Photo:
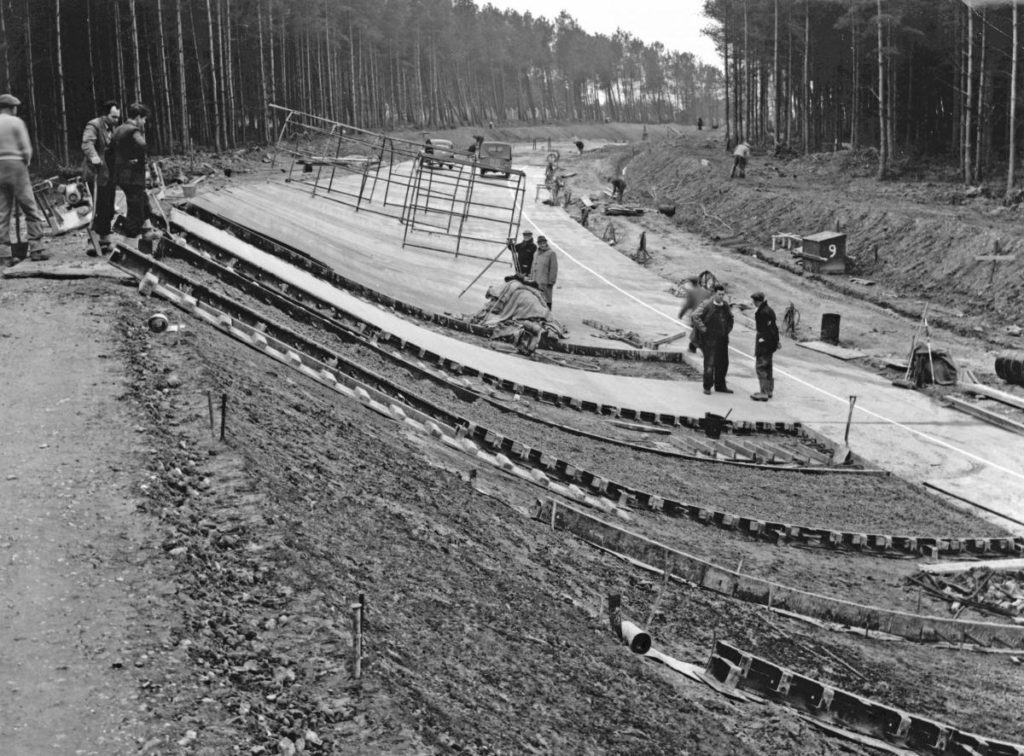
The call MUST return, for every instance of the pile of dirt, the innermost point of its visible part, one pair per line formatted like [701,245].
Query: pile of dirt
[919,237]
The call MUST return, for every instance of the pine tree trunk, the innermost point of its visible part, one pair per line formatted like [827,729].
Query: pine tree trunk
[135,51]
[273,67]
[1011,162]
[186,138]
[217,122]
[265,130]
[776,72]
[164,72]
[979,137]
[233,121]
[806,88]
[221,89]
[968,169]
[33,110]
[206,131]
[7,62]
[88,43]
[122,89]
[883,142]
[61,102]
[855,68]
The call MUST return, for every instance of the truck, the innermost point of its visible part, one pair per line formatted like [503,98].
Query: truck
[495,157]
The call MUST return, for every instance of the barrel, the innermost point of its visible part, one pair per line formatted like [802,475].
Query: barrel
[830,328]
[1010,367]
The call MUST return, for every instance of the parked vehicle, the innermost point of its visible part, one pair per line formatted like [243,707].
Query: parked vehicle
[495,157]
[440,151]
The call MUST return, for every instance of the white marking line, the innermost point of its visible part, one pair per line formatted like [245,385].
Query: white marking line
[841,399]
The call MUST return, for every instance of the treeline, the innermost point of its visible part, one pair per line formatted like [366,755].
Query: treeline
[910,77]
[208,68]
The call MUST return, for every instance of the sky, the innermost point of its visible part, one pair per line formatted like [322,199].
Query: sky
[675,23]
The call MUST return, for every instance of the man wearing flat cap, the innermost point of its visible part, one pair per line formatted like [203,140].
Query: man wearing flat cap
[15,184]
[766,343]
[524,252]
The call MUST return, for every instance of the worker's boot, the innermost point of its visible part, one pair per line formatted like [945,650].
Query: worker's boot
[37,255]
[106,244]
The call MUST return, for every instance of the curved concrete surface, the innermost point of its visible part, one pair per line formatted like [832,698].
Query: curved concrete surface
[902,431]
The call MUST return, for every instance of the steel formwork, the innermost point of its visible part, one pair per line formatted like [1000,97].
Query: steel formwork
[441,209]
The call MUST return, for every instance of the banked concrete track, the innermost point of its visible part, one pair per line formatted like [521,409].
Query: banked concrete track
[904,432]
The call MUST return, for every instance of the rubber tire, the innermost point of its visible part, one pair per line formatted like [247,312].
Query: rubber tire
[1017,371]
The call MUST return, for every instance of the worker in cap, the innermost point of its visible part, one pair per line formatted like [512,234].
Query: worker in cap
[524,252]
[713,321]
[15,184]
[545,269]
[766,343]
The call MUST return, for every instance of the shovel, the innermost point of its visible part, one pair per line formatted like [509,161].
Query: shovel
[842,453]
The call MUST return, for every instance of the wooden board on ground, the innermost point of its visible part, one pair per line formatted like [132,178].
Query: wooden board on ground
[841,353]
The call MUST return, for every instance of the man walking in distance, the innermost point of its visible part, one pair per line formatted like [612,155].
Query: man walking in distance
[545,269]
[713,320]
[97,170]
[694,295]
[15,184]
[740,156]
[766,343]
[129,145]
[524,252]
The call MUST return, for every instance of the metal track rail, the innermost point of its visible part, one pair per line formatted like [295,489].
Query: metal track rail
[755,590]
[230,314]
[741,670]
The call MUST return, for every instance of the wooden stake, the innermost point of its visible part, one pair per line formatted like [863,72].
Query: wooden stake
[357,640]
[223,414]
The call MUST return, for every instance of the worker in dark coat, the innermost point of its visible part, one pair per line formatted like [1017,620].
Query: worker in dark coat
[694,295]
[524,252]
[713,320]
[129,145]
[97,169]
[766,343]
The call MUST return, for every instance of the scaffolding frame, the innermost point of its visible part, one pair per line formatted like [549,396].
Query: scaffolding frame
[440,209]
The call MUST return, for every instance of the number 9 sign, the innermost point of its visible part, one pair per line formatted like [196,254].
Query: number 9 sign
[832,250]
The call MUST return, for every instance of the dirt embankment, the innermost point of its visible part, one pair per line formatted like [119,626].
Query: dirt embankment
[917,239]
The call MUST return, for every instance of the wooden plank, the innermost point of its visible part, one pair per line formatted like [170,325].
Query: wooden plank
[831,350]
[739,448]
[983,414]
[996,565]
[991,393]
[786,455]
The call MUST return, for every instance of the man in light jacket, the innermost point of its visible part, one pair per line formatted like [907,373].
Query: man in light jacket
[15,184]
[545,269]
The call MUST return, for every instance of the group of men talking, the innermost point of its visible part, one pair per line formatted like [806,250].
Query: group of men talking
[712,320]
[115,157]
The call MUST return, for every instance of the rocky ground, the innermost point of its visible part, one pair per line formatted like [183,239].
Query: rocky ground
[215,577]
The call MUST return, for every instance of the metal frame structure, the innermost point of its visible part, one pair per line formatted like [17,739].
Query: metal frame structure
[440,209]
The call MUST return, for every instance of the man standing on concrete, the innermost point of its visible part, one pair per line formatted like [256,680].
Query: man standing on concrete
[766,343]
[740,156]
[97,170]
[545,269]
[694,295]
[713,320]
[15,184]
[129,145]
[524,252]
